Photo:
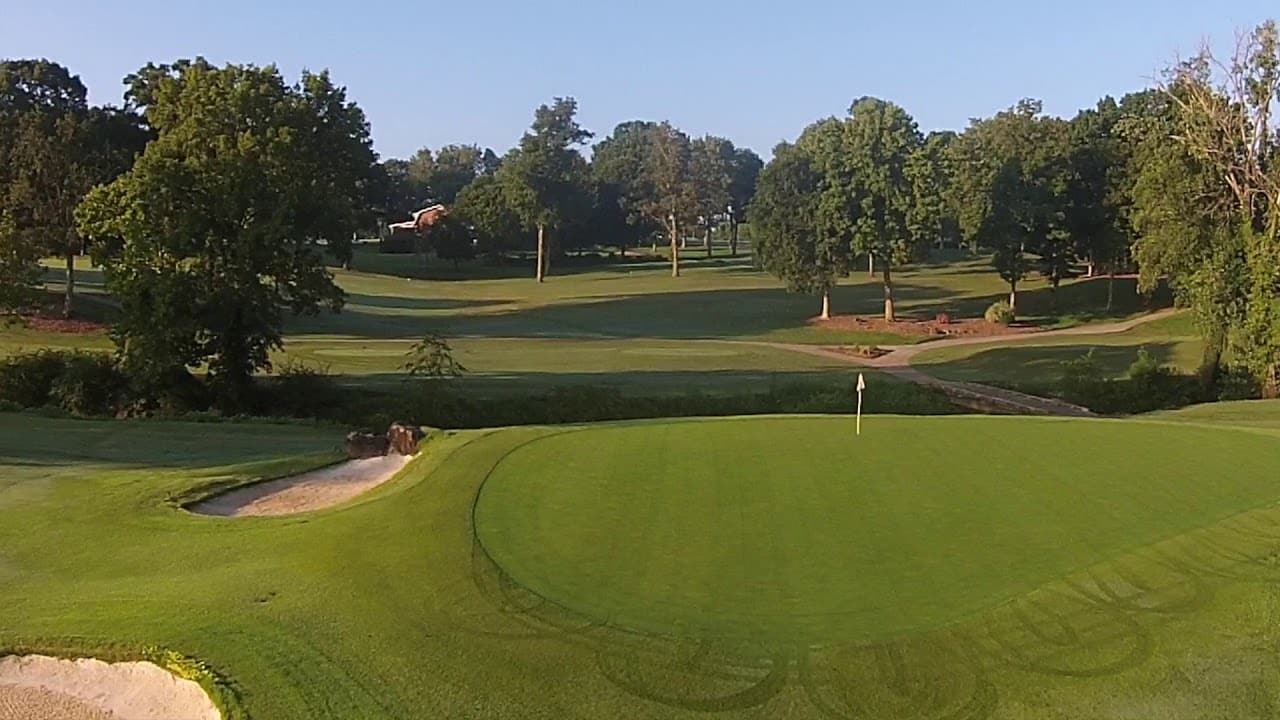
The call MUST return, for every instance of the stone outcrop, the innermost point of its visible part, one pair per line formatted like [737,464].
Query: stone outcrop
[404,439]
[400,439]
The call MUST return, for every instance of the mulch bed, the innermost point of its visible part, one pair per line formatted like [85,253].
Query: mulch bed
[51,321]
[969,327]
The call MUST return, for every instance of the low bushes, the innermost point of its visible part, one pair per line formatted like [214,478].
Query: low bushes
[1146,386]
[92,384]
[1000,313]
[80,383]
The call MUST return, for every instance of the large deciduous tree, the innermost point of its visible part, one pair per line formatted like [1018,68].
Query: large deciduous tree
[545,177]
[669,201]
[1011,179]
[216,230]
[711,176]
[618,170]
[879,140]
[790,242]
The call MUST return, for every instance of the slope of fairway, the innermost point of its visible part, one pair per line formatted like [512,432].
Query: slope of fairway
[793,530]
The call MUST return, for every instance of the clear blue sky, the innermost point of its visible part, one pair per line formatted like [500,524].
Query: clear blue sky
[430,73]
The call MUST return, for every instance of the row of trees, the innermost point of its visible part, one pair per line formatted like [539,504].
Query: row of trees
[54,147]
[1040,193]
[1182,180]
[211,198]
[644,180]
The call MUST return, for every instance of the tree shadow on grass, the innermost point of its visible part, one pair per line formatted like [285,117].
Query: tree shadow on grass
[399,302]
[1043,364]
[701,314]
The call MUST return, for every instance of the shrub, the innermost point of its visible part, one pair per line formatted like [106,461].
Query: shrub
[1000,313]
[27,379]
[90,384]
[298,390]
[432,357]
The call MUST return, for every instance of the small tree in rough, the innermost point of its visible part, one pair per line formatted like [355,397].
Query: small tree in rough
[432,357]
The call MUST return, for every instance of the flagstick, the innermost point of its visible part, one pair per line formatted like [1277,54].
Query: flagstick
[862,385]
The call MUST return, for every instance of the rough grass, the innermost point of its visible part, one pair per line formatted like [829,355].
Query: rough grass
[994,581]
[1037,362]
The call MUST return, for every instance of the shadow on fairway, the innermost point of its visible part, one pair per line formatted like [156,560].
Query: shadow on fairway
[400,302]
[704,314]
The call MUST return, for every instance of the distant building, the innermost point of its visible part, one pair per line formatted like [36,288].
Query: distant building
[404,235]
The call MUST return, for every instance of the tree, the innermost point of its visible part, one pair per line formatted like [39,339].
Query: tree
[785,217]
[545,178]
[710,173]
[878,141]
[744,173]
[930,175]
[418,171]
[1096,194]
[1011,183]
[450,238]
[485,208]
[55,149]
[213,233]
[669,200]
[431,358]
[618,170]
[1224,120]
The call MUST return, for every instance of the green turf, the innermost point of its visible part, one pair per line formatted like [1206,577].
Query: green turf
[1055,601]
[1038,362]
[794,531]
[617,324]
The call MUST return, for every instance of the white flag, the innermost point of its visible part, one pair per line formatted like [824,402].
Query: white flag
[862,383]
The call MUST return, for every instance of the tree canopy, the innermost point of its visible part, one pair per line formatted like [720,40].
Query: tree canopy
[220,225]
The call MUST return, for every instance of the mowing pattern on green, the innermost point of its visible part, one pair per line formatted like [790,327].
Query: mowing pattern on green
[390,608]
[793,530]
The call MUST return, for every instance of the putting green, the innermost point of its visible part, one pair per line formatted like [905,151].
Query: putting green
[793,530]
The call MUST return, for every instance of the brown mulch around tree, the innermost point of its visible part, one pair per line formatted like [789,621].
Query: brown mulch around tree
[969,327]
[51,321]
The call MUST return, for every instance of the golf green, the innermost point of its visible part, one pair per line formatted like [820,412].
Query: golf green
[794,530]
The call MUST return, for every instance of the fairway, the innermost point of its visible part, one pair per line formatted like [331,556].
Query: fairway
[793,531]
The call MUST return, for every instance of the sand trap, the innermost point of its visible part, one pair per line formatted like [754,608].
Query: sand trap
[313,490]
[36,687]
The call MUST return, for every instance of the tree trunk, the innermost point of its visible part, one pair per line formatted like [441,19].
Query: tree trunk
[1111,287]
[871,265]
[542,251]
[1013,297]
[733,237]
[68,300]
[888,295]
[675,248]
[706,240]
[826,305]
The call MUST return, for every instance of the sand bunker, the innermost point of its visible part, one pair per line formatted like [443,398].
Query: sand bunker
[314,490]
[36,687]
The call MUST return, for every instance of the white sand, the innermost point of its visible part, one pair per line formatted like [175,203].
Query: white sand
[36,687]
[314,490]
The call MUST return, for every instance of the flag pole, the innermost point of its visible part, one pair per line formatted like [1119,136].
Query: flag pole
[862,385]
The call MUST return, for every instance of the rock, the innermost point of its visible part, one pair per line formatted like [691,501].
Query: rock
[403,439]
[360,445]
